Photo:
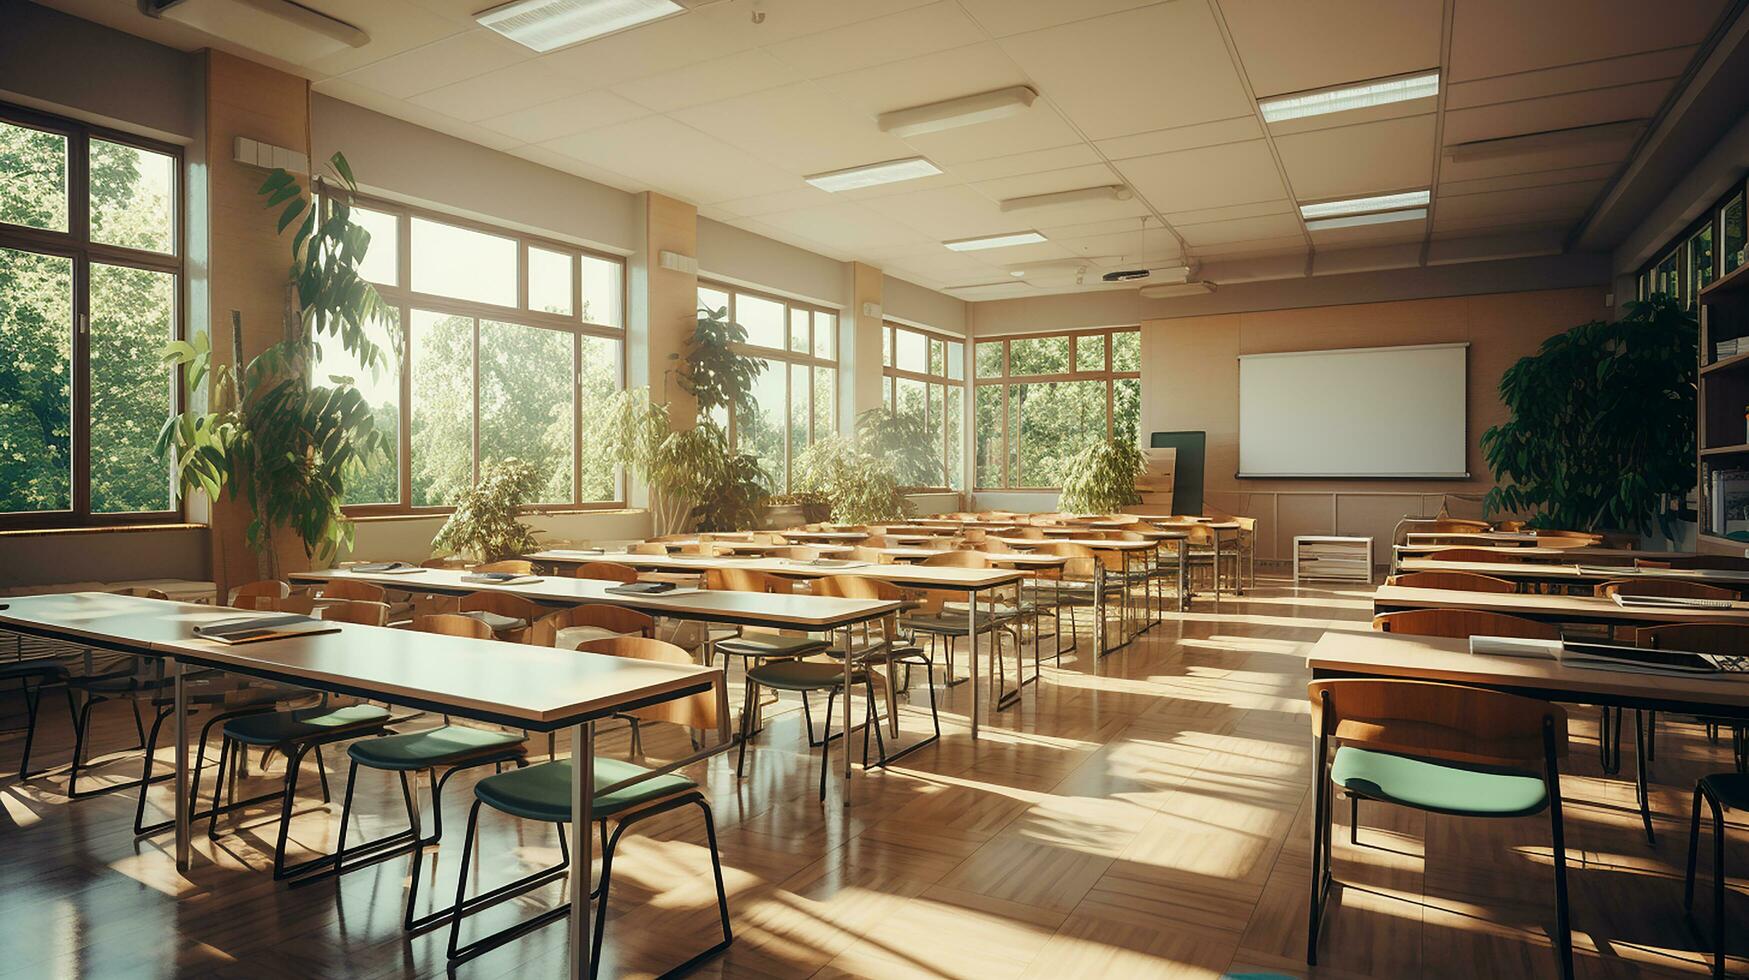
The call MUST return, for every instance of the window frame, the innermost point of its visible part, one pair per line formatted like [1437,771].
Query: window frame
[1677,247]
[76,245]
[405,300]
[891,374]
[1004,380]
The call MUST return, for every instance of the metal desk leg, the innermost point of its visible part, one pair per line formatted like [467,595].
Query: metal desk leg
[892,676]
[972,653]
[1183,574]
[181,809]
[1098,614]
[849,670]
[582,846]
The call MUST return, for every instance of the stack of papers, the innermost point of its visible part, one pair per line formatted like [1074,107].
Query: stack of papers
[1669,602]
[253,629]
[499,578]
[383,568]
[1597,656]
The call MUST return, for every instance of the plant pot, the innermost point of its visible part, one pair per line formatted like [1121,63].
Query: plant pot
[795,514]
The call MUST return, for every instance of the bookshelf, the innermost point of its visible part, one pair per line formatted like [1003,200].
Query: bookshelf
[1722,401]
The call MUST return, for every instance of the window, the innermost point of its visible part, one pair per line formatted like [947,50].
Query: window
[1038,400]
[1713,246]
[508,347]
[795,397]
[927,381]
[90,289]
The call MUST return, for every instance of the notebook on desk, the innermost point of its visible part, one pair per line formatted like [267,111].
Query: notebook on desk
[499,578]
[647,590]
[383,568]
[253,629]
[1668,602]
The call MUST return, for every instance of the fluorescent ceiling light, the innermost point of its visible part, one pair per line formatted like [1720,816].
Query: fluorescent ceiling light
[1362,96]
[1110,192]
[995,241]
[1357,220]
[954,113]
[544,25]
[1360,205]
[850,178]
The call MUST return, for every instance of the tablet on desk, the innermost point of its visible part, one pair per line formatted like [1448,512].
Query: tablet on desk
[253,629]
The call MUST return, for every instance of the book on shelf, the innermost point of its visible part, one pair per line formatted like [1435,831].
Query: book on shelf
[1727,500]
[1728,348]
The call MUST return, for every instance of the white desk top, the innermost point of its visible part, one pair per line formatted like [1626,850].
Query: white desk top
[1094,544]
[1570,608]
[800,535]
[1599,556]
[1571,572]
[538,687]
[898,574]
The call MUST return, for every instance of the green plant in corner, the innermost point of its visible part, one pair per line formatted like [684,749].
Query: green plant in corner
[484,525]
[268,434]
[1101,479]
[1602,423]
[860,486]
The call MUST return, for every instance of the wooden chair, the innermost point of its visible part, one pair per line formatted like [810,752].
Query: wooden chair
[1438,748]
[1452,525]
[300,605]
[1461,623]
[247,596]
[756,645]
[1481,555]
[795,553]
[872,555]
[606,571]
[1667,588]
[1454,581]
[543,792]
[567,628]
[453,624]
[1030,532]
[508,615]
[345,588]
[891,648]
[707,549]
[361,611]
[515,566]
[647,548]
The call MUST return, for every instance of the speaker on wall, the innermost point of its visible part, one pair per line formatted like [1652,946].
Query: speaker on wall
[1187,471]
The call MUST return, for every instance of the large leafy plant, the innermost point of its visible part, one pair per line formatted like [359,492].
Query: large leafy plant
[691,474]
[906,439]
[484,525]
[1602,423]
[268,433]
[859,485]
[714,373]
[1101,479]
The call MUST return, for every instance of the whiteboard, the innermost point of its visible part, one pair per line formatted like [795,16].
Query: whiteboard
[1363,412]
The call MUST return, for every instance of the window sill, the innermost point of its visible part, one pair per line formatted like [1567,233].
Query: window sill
[25,532]
[444,514]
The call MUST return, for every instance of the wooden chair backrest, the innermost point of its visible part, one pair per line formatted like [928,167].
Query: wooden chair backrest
[362,611]
[995,546]
[1508,525]
[1461,623]
[1475,554]
[447,561]
[501,604]
[514,566]
[450,624]
[976,535]
[707,549]
[1455,581]
[1673,588]
[342,588]
[1725,563]
[606,571]
[795,552]
[1725,639]
[697,711]
[246,596]
[144,593]
[674,537]
[878,541]
[869,554]
[647,548]
[1450,722]
[767,537]
[1453,525]
[1031,532]
[544,632]
[857,587]
[1081,563]
[301,605]
[741,580]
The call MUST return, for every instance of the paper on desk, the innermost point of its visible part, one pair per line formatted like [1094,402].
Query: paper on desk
[1513,646]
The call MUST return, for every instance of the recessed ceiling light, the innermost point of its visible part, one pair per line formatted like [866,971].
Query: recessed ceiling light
[1109,192]
[1363,96]
[850,178]
[1357,220]
[995,241]
[954,113]
[544,25]
[1361,205]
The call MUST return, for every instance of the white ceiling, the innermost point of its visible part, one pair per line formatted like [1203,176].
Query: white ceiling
[730,114]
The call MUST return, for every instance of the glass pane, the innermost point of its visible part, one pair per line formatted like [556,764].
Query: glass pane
[911,397]
[987,435]
[937,357]
[989,356]
[1038,355]
[549,281]
[759,423]
[1126,408]
[382,259]
[36,396]
[933,418]
[956,360]
[826,335]
[602,299]
[33,178]
[525,402]
[1090,353]
[1664,277]
[955,424]
[1126,351]
[380,483]
[133,312]
[1735,234]
[825,402]
[708,299]
[1700,261]
[598,377]
[911,352]
[442,426]
[133,195]
[763,320]
[800,386]
[798,331]
[1048,424]
[463,263]
[886,347]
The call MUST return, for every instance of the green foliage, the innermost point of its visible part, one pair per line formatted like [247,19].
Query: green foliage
[484,525]
[714,373]
[906,440]
[691,474]
[1101,479]
[1602,422]
[288,445]
[860,485]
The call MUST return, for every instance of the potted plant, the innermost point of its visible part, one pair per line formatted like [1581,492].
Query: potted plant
[1101,479]
[1601,426]
[483,525]
[268,434]
[907,440]
[860,486]
[795,509]
[691,474]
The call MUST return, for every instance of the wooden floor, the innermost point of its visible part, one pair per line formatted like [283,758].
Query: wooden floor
[1150,821]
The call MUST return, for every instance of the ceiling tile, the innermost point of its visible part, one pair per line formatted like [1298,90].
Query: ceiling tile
[1235,130]
[1500,37]
[393,25]
[844,225]
[1556,197]
[506,90]
[1252,210]
[1036,161]
[1285,245]
[1288,47]
[563,117]
[801,197]
[1610,151]
[1541,178]
[797,127]
[708,81]
[1214,176]
[440,63]
[1153,68]
[1040,127]
[1122,248]
[1372,158]
[927,78]
[664,153]
[895,37]
[1269,226]
[1004,17]
[1047,182]
[1639,101]
[1625,70]
[1396,231]
[948,212]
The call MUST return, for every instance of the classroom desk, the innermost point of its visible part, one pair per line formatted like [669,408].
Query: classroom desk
[735,545]
[1553,608]
[1590,556]
[1521,539]
[1127,550]
[825,537]
[1576,574]
[485,680]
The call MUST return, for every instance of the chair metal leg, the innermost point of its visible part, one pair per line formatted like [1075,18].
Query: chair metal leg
[1354,820]
[1718,888]
[1640,790]
[1557,828]
[746,722]
[826,742]
[1693,853]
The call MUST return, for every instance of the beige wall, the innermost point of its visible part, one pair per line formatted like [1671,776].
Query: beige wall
[1190,380]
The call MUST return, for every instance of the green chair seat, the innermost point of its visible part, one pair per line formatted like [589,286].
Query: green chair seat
[801,675]
[1435,786]
[771,645]
[543,792]
[432,747]
[279,727]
